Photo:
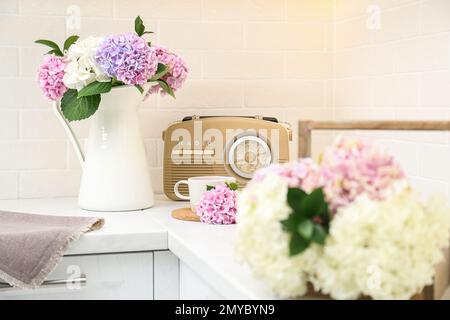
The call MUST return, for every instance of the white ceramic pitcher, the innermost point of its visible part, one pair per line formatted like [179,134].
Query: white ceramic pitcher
[115,172]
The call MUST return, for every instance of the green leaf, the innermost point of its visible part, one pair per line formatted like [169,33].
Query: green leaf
[51,44]
[309,219]
[95,88]
[166,88]
[209,187]
[319,235]
[139,26]
[75,108]
[146,32]
[295,197]
[324,212]
[69,41]
[115,82]
[291,223]
[160,72]
[139,87]
[53,51]
[312,203]
[48,43]
[232,185]
[306,229]
[297,244]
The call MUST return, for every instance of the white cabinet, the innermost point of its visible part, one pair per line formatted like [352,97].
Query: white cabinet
[107,276]
[140,275]
[166,270]
[193,287]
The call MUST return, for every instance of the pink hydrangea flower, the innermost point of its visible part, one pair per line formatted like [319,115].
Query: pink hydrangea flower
[304,174]
[352,166]
[177,73]
[217,206]
[50,77]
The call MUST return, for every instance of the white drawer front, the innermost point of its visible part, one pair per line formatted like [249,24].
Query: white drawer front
[108,276]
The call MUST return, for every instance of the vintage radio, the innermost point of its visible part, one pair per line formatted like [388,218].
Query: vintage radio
[222,145]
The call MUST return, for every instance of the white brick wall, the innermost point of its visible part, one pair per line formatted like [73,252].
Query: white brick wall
[245,56]
[293,59]
[400,71]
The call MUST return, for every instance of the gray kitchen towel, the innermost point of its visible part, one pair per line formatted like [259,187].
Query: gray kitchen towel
[31,245]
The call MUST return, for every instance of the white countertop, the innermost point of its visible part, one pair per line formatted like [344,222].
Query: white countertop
[208,248]
[122,232]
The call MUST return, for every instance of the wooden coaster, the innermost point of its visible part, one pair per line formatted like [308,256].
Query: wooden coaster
[185,214]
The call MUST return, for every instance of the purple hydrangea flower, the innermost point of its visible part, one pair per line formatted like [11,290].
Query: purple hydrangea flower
[128,58]
[177,73]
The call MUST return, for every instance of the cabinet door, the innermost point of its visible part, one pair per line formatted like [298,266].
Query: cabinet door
[192,287]
[107,276]
[166,279]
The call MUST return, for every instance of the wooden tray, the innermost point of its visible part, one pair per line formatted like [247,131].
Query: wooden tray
[185,214]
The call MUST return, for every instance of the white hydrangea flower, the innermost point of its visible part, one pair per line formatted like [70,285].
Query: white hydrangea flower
[82,68]
[385,250]
[262,243]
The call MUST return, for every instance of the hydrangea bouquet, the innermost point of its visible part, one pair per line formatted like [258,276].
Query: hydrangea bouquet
[82,70]
[350,226]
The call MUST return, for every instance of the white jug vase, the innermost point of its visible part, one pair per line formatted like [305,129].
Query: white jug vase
[115,172]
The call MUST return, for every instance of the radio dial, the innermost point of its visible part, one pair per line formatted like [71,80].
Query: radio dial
[248,154]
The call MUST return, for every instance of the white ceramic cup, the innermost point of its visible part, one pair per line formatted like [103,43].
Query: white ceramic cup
[198,185]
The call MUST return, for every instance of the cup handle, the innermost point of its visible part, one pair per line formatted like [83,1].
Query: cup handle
[177,193]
